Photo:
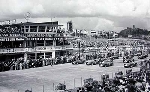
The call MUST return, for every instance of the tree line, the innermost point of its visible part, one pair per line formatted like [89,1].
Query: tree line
[136,32]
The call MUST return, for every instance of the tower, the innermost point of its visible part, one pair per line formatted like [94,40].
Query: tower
[133,27]
[69,26]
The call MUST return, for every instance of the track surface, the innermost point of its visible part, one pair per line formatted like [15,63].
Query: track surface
[35,78]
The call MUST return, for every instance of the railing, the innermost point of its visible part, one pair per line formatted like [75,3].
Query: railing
[52,48]
[35,49]
[44,48]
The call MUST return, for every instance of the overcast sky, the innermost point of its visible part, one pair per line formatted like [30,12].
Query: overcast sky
[85,14]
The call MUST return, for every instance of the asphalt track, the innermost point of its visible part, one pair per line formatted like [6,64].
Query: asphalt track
[47,76]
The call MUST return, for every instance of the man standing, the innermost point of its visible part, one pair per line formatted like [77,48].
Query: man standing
[52,62]
[20,66]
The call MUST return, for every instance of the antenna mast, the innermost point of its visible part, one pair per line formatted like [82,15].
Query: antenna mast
[27,16]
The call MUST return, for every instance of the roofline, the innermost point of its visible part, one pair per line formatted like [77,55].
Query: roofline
[32,23]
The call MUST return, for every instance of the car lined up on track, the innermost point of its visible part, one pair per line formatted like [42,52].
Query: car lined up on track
[106,63]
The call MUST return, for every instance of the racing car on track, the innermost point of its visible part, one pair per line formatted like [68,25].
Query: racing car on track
[130,65]
[78,62]
[106,63]
[92,62]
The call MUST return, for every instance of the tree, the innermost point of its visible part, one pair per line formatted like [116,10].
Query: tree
[134,32]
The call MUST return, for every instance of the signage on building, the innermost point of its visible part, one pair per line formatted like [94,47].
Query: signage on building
[11,35]
[39,35]
[40,48]
[19,39]
[11,39]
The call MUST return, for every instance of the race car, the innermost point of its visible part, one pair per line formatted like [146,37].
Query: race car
[78,62]
[119,74]
[114,57]
[106,63]
[92,62]
[130,65]
[142,56]
[128,59]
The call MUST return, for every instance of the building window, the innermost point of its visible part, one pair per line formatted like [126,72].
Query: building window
[33,28]
[48,55]
[27,28]
[49,29]
[22,28]
[40,43]
[49,43]
[31,56]
[41,29]
[40,55]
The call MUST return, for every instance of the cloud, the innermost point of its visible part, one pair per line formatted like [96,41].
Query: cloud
[85,14]
[38,9]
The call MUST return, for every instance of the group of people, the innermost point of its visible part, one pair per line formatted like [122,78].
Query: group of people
[10,29]
[106,43]
[131,81]
[20,64]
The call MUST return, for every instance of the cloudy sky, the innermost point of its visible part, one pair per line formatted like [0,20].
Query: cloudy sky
[85,14]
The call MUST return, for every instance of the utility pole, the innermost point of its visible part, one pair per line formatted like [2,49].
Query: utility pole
[43,88]
[64,82]
[81,81]
[74,82]
[79,50]
[53,86]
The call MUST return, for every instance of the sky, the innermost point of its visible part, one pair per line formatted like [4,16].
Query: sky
[108,15]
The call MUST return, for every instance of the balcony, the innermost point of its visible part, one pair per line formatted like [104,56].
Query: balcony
[50,48]
[35,49]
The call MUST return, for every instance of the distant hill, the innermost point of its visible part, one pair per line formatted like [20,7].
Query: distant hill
[135,32]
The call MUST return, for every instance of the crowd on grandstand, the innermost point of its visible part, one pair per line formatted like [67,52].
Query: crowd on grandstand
[10,29]
[106,43]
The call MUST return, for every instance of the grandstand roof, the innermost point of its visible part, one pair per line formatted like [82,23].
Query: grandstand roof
[32,23]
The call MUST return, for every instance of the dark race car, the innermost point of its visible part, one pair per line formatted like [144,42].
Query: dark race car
[101,60]
[137,54]
[142,56]
[78,62]
[106,63]
[114,57]
[128,59]
[119,74]
[70,59]
[92,62]
[60,60]
[33,63]
[130,65]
